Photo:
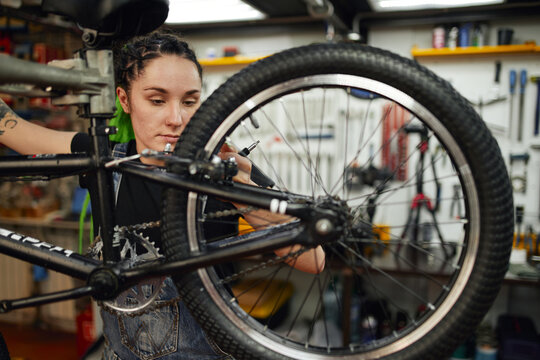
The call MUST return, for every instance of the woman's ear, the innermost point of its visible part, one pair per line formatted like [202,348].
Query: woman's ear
[123,98]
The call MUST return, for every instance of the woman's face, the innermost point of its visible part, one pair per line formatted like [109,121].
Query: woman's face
[162,100]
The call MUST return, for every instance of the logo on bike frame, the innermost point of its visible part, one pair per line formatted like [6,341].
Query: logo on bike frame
[34,242]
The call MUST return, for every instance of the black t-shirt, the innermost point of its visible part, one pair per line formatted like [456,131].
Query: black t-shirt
[139,201]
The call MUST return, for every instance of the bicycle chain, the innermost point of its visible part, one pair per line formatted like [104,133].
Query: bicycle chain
[270,262]
[157,223]
[225,213]
[273,261]
[217,214]
[138,227]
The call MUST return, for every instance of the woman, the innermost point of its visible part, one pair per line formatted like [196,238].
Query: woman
[159,84]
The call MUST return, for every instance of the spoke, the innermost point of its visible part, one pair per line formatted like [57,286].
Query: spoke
[354,268]
[316,314]
[424,251]
[366,198]
[404,185]
[267,285]
[301,306]
[265,157]
[310,162]
[395,239]
[347,117]
[413,176]
[396,254]
[388,276]
[318,158]
[274,308]
[284,138]
[361,145]
[394,203]
[298,136]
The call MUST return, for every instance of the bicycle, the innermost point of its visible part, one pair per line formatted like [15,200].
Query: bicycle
[319,108]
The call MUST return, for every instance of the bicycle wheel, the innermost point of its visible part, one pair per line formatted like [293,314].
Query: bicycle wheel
[421,181]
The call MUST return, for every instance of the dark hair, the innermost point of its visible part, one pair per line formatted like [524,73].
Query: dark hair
[132,57]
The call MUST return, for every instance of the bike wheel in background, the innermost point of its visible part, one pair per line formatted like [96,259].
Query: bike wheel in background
[402,157]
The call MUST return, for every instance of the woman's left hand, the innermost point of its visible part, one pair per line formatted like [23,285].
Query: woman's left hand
[244,165]
[312,261]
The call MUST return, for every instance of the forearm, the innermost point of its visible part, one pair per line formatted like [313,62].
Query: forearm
[27,138]
[311,261]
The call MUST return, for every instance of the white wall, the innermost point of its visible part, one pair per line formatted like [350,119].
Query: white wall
[253,42]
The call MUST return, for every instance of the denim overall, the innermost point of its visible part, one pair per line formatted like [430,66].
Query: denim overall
[166,332]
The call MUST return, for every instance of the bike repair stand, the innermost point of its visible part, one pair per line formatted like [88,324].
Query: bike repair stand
[420,200]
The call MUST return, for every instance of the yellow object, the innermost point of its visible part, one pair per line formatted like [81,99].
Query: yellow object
[244,227]
[262,298]
[383,232]
[380,241]
[522,245]
[529,48]
[230,60]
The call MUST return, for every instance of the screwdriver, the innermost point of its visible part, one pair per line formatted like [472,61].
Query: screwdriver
[245,151]
[522,83]
[512,92]
[257,175]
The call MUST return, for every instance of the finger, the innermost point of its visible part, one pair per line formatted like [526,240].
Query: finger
[226,147]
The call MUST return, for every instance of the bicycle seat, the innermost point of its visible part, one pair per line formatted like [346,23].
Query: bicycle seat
[114,18]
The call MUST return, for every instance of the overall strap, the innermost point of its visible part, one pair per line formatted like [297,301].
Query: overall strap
[119,151]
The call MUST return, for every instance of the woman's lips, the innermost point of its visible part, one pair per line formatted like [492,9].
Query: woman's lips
[171,139]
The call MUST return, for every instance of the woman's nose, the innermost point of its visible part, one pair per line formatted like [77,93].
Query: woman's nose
[176,116]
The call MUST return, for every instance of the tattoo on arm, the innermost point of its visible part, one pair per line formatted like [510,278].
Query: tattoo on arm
[8,119]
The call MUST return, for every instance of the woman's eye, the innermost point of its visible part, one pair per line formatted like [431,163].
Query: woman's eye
[156,101]
[190,102]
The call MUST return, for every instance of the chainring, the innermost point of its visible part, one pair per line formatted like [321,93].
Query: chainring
[138,298]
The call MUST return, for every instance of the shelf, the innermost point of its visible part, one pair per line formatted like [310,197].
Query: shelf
[230,60]
[39,222]
[531,48]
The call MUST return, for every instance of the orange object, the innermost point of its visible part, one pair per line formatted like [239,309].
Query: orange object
[85,330]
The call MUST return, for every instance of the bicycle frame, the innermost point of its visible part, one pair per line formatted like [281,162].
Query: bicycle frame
[89,78]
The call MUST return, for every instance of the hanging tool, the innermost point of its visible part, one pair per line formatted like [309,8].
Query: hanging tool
[495,90]
[512,92]
[456,202]
[519,212]
[528,240]
[522,83]
[494,96]
[519,182]
[537,147]
[536,79]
